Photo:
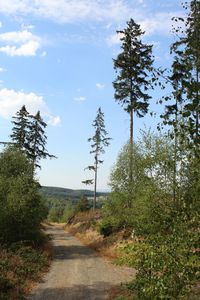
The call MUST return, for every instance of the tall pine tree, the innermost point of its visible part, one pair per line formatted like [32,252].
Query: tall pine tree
[36,140]
[20,129]
[187,51]
[99,141]
[133,66]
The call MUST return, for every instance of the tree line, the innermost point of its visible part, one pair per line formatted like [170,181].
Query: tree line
[156,180]
[22,208]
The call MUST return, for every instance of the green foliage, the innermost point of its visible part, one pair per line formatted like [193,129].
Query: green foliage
[37,139]
[29,135]
[167,259]
[52,193]
[106,227]
[55,213]
[187,55]
[152,179]
[19,265]
[131,253]
[59,211]
[82,205]
[19,131]
[99,142]
[133,65]
[68,212]
[21,206]
[167,268]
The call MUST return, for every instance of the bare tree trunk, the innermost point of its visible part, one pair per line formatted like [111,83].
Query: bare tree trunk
[131,159]
[175,154]
[131,148]
[95,183]
[197,110]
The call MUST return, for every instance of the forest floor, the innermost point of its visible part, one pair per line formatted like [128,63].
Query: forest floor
[77,271]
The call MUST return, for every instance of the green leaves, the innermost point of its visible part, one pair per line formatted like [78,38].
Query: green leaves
[21,208]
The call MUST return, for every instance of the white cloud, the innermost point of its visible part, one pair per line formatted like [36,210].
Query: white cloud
[54,121]
[19,43]
[11,101]
[159,23]
[68,11]
[17,36]
[28,49]
[81,98]
[100,86]
[114,39]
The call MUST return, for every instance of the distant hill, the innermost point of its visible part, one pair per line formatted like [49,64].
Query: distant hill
[67,194]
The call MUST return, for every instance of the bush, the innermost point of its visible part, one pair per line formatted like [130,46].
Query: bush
[21,206]
[20,264]
[168,267]
[131,254]
[106,227]
[82,205]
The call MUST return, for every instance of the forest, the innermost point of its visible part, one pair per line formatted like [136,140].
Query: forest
[155,182]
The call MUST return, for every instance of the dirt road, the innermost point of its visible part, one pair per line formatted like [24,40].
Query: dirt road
[77,272]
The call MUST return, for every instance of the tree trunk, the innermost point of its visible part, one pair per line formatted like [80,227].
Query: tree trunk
[95,183]
[197,110]
[131,159]
[175,161]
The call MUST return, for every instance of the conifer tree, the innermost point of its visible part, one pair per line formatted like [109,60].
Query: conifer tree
[133,66]
[173,116]
[99,141]
[187,50]
[20,129]
[37,140]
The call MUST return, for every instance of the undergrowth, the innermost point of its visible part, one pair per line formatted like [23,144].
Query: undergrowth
[20,266]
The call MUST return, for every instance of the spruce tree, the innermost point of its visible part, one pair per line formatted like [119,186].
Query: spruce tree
[173,116]
[37,140]
[187,50]
[20,129]
[133,66]
[99,141]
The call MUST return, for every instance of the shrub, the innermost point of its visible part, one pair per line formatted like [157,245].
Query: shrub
[106,227]
[168,267]
[21,206]
[20,264]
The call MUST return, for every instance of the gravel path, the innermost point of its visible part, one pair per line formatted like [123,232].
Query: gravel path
[77,272]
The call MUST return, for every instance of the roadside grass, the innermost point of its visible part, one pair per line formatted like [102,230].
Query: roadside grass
[21,266]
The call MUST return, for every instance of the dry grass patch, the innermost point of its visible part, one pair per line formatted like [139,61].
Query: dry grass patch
[21,266]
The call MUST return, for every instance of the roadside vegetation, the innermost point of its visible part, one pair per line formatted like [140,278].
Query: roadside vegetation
[150,220]
[24,249]
[155,182]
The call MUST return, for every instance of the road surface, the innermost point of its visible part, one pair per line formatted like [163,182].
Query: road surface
[77,272]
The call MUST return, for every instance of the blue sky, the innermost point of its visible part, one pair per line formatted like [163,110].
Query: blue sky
[56,57]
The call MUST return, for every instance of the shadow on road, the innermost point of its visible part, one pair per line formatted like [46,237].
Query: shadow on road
[97,291]
[73,252]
